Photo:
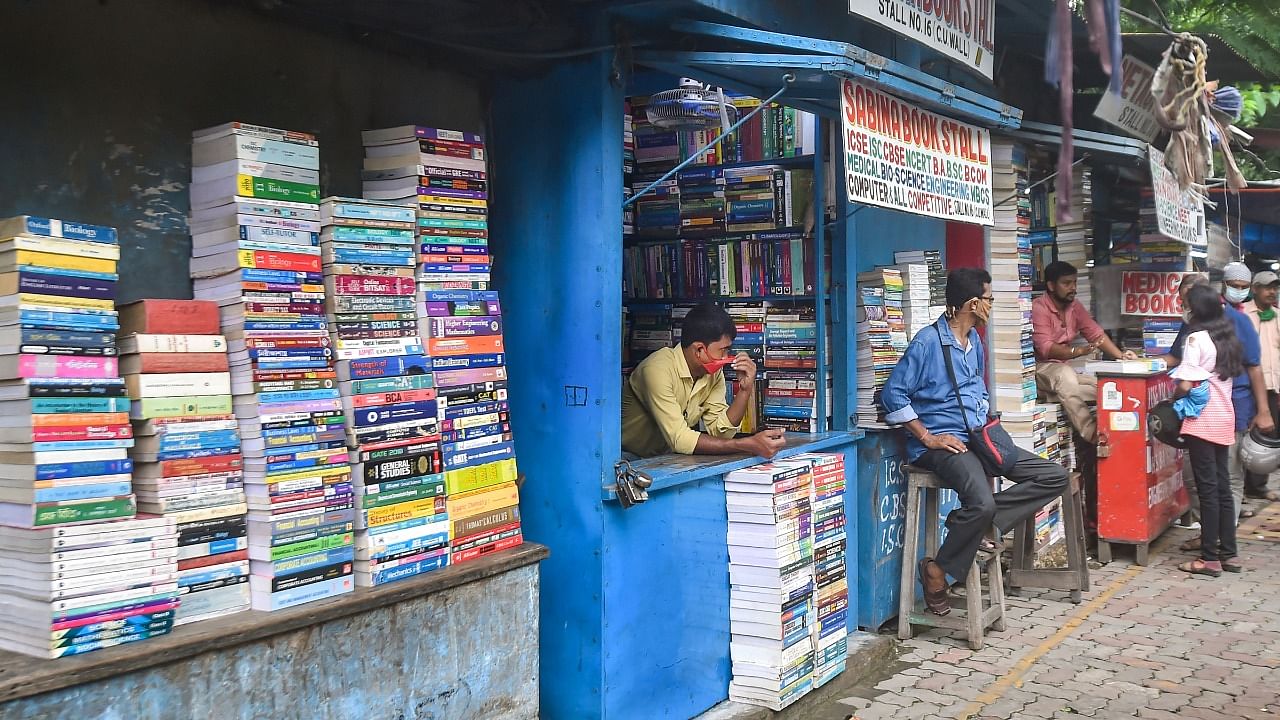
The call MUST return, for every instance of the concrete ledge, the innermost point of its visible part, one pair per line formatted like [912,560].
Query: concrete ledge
[23,676]
[867,653]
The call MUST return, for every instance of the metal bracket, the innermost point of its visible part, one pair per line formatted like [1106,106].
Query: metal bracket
[947,95]
[632,486]
[873,65]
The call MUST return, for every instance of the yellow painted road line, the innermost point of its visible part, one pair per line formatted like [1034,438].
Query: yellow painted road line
[1014,676]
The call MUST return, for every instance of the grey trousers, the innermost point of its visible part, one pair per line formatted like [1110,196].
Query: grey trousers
[1039,481]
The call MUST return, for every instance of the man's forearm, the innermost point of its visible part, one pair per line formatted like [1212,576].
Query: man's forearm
[916,428]
[1110,348]
[1058,351]
[710,445]
[1259,387]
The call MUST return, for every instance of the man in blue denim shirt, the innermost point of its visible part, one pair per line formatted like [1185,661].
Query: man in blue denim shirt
[919,395]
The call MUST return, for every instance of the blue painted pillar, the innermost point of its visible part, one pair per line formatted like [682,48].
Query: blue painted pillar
[556,145]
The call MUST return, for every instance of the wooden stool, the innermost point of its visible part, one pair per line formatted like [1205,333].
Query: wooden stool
[976,619]
[1075,576]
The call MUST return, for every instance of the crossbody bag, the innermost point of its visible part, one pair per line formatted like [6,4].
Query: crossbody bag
[990,442]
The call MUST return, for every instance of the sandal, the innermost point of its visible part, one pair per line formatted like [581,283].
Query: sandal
[1212,568]
[1191,545]
[1233,565]
[1246,513]
[1270,495]
[936,602]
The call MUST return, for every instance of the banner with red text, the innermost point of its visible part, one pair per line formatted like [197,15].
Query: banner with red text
[1150,293]
[964,30]
[900,157]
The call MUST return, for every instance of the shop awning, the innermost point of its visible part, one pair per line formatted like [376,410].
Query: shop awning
[1095,143]
[818,67]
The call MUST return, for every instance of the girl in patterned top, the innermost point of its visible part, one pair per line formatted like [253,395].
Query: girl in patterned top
[1213,356]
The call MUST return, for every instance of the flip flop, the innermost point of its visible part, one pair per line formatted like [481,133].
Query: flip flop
[1191,545]
[1233,565]
[1270,495]
[1246,514]
[936,602]
[1200,567]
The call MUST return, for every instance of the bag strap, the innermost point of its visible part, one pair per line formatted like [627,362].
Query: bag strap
[951,373]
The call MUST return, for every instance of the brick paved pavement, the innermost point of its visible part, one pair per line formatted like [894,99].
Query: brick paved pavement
[1147,642]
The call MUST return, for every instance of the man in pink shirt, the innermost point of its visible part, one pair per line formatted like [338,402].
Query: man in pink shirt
[1261,311]
[1057,319]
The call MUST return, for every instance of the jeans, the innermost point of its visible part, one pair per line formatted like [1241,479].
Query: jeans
[1217,509]
[1039,481]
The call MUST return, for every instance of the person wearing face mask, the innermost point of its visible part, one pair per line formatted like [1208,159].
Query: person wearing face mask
[921,396]
[1261,311]
[1248,393]
[676,389]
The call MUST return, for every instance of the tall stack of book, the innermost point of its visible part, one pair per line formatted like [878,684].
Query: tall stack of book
[186,457]
[76,573]
[748,319]
[771,583]
[262,265]
[1074,240]
[649,329]
[830,563]
[369,260]
[791,368]
[461,322]
[1013,354]
[917,308]
[877,348]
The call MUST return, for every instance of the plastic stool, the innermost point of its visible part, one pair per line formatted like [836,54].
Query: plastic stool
[1074,578]
[976,618]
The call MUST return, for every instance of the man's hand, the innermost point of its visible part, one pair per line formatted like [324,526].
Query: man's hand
[944,442]
[1128,355]
[745,367]
[765,443]
[1263,421]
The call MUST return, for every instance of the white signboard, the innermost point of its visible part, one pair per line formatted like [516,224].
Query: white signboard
[1179,214]
[964,30]
[1131,109]
[901,157]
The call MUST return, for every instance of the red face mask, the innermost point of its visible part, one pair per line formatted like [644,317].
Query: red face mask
[715,365]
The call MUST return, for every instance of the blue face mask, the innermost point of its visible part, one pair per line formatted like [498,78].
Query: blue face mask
[1236,295]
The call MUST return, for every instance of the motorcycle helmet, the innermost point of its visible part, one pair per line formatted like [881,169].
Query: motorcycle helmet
[1259,452]
[1164,425]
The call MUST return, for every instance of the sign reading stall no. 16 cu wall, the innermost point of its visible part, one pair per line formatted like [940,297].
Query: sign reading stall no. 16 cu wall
[964,30]
[900,157]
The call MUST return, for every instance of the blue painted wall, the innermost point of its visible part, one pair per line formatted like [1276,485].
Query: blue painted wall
[557,239]
[880,233]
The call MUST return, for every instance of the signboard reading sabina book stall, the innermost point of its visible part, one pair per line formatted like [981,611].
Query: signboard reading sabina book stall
[901,157]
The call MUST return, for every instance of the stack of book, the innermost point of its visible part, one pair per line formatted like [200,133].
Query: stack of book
[748,319]
[791,369]
[1074,240]
[917,308]
[186,458]
[460,320]
[771,583]
[1028,429]
[270,287]
[776,262]
[937,277]
[1158,335]
[1012,355]
[702,202]
[369,261]
[649,328]
[405,163]
[880,344]
[75,573]
[830,563]
[766,197]
[628,168]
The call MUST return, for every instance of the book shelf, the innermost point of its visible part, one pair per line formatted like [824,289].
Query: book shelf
[737,227]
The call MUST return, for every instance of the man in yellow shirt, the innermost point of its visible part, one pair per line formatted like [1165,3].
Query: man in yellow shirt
[676,389]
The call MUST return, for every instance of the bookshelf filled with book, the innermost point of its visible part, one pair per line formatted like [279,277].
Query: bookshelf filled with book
[735,226]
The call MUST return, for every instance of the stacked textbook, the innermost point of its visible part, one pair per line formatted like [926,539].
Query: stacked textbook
[187,462]
[830,563]
[256,253]
[771,583]
[77,571]
[1013,355]
[387,389]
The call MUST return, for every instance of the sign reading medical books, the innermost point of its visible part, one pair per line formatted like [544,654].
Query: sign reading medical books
[900,157]
[1179,213]
[964,30]
[1150,294]
[1131,109]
